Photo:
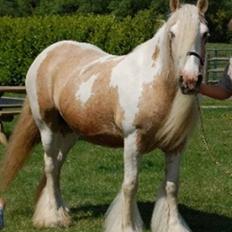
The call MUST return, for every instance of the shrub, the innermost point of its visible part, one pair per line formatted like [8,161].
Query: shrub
[22,39]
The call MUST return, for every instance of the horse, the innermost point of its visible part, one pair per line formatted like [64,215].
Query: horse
[141,101]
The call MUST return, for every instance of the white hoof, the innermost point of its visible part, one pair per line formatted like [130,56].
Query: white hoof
[114,217]
[50,212]
[51,218]
[131,230]
[164,221]
[178,228]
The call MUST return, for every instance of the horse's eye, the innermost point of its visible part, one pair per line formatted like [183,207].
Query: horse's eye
[172,35]
[206,35]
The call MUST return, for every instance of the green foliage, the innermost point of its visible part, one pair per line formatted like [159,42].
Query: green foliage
[218,15]
[127,7]
[22,39]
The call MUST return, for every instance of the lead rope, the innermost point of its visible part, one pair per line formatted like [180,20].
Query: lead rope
[209,149]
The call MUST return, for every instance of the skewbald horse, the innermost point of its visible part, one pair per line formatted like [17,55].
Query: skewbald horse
[141,101]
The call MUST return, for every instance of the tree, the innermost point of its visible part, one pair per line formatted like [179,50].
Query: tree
[7,7]
[127,7]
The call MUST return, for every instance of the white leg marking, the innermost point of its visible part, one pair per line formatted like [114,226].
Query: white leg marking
[166,217]
[123,214]
[50,210]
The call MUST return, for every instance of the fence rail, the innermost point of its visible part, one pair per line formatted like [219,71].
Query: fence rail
[9,107]
[216,61]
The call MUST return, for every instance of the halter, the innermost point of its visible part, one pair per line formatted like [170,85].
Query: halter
[192,53]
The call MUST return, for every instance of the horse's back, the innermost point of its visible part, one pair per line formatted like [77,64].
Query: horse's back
[51,70]
[72,79]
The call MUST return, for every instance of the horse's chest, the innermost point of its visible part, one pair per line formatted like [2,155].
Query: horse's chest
[166,122]
[154,108]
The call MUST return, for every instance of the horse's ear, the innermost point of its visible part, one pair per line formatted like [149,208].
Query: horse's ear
[174,5]
[202,5]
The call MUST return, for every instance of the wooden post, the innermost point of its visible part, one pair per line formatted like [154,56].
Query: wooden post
[205,71]
[3,138]
[12,89]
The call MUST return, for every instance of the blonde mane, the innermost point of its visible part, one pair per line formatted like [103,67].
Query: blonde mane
[188,18]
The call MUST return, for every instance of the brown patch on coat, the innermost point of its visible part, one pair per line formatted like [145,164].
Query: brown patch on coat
[99,119]
[155,55]
[154,106]
[53,74]
[153,116]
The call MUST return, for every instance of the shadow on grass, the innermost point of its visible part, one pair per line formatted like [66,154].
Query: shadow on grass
[197,220]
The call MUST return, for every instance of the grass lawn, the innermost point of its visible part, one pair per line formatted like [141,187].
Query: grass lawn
[92,176]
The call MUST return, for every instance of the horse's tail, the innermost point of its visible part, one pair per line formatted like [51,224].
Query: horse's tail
[22,140]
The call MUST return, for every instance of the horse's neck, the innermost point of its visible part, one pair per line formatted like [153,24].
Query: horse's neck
[152,53]
[156,53]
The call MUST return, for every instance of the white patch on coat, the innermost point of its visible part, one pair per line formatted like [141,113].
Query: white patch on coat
[100,60]
[131,75]
[192,66]
[89,46]
[85,90]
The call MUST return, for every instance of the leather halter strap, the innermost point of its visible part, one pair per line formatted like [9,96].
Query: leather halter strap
[192,53]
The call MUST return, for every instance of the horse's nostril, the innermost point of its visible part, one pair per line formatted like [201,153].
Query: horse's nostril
[181,79]
[200,77]
[199,80]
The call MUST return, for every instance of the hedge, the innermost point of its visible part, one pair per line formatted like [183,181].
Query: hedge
[22,39]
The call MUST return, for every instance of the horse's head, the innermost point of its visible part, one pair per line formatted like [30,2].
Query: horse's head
[188,33]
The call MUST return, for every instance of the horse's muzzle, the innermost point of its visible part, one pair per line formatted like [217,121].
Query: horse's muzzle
[185,88]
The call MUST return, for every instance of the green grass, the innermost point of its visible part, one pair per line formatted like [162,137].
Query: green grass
[92,176]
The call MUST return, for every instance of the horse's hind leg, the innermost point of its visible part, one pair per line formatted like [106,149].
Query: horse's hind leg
[123,214]
[166,217]
[50,209]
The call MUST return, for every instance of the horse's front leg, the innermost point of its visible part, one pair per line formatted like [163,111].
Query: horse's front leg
[123,215]
[166,217]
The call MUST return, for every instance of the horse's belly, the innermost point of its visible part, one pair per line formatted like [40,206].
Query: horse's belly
[95,120]
[107,140]
[96,129]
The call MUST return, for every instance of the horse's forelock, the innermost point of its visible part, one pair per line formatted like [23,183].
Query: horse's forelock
[188,19]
